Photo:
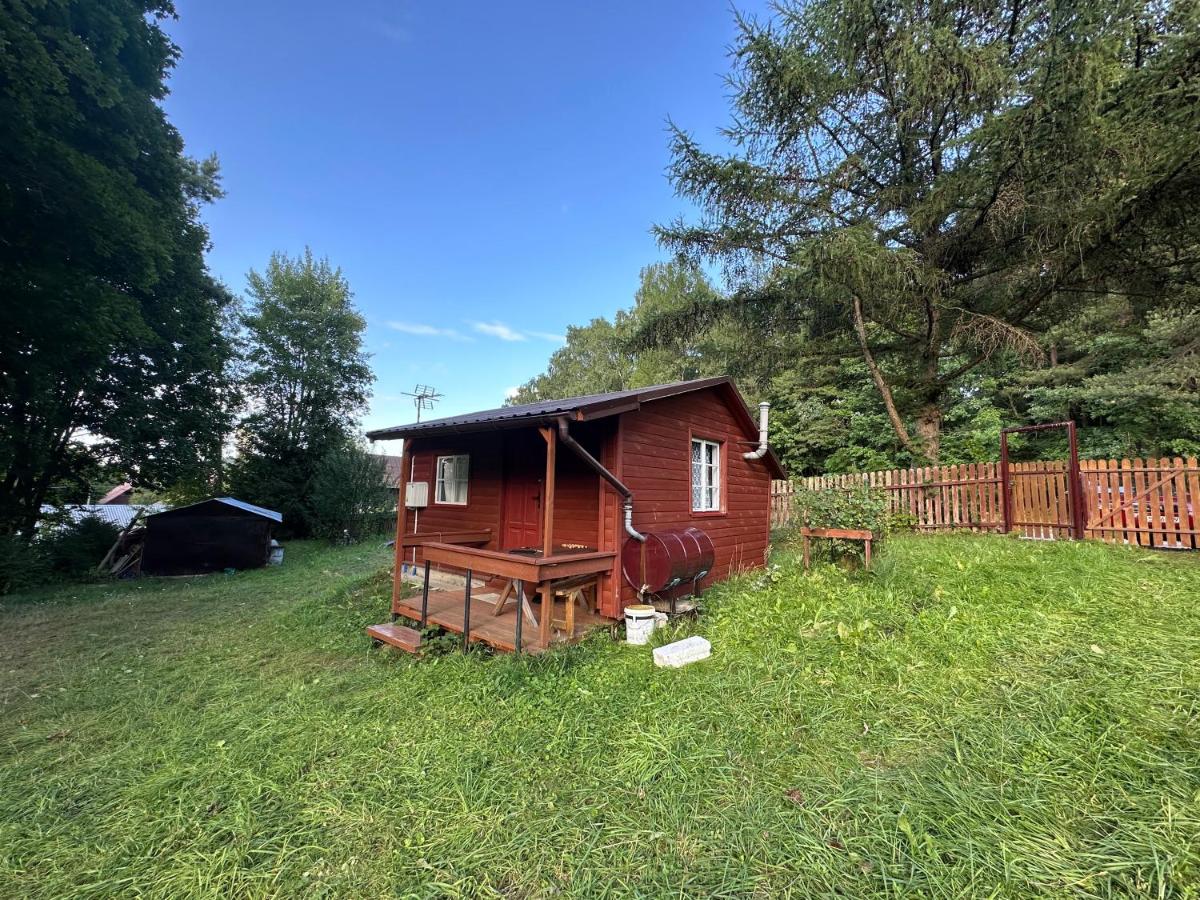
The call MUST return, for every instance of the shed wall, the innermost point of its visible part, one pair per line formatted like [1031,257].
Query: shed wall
[193,544]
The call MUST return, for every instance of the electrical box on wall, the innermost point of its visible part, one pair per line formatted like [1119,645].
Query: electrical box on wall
[416,494]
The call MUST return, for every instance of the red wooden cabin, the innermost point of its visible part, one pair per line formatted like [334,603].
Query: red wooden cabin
[592,502]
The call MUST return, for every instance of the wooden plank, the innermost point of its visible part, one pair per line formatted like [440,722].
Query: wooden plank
[399,636]
[1167,505]
[1015,493]
[854,534]
[1171,536]
[1062,502]
[978,472]
[1156,506]
[966,509]
[1132,516]
[1087,484]
[1112,479]
[463,536]
[1192,498]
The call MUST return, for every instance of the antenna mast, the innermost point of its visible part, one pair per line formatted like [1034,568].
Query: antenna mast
[424,397]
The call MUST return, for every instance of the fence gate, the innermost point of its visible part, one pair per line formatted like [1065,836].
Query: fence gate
[1042,499]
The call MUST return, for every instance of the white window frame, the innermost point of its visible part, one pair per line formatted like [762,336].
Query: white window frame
[709,472]
[462,478]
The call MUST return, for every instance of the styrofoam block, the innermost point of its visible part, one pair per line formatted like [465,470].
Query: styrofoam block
[680,653]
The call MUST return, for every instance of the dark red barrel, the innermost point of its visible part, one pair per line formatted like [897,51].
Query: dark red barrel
[667,559]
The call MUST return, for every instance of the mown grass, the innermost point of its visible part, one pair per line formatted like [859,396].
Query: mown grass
[983,717]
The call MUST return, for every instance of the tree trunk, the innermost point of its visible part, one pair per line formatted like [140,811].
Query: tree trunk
[885,390]
[929,430]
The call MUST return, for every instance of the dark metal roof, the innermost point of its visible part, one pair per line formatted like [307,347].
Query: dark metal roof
[241,505]
[592,406]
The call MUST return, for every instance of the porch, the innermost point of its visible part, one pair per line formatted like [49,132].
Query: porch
[531,601]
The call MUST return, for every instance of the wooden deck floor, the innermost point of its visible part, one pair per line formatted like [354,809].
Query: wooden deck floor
[446,611]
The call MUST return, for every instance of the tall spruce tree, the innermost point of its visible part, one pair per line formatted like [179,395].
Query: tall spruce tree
[926,184]
[109,321]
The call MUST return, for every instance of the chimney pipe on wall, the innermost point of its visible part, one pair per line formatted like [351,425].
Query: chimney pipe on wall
[761,450]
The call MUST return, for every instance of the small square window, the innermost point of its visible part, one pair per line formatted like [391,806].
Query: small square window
[706,476]
[452,480]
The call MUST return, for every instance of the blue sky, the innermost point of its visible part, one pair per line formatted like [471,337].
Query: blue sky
[485,174]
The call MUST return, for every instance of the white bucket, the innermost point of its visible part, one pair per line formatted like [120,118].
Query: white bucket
[639,623]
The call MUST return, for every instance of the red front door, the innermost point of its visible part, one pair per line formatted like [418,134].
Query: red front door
[524,464]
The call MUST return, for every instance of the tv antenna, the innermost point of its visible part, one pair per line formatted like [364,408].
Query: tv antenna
[424,396]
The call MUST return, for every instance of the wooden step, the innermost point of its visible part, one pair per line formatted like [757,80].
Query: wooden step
[399,636]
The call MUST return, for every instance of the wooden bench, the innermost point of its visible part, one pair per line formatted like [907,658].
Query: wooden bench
[575,590]
[844,534]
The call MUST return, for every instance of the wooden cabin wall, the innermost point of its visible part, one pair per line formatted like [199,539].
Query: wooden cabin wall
[577,501]
[482,509]
[577,504]
[656,466]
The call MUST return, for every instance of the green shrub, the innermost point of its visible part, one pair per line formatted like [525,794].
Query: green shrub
[74,549]
[349,499]
[860,508]
[22,564]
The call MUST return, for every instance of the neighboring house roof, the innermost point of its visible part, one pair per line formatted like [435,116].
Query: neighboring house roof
[393,469]
[119,514]
[119,494]
[231,503]
[591,406]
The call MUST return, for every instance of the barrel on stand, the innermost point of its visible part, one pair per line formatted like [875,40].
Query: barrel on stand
[667,559]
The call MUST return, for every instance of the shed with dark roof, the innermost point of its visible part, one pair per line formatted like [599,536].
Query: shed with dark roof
[209,536]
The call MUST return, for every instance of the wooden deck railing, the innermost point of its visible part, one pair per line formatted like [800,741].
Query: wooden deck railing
[539,573]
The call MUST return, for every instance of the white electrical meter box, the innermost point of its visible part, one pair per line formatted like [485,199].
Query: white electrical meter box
[416,494]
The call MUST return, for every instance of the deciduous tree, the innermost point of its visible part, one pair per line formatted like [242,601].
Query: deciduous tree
[110,324]
[306,382]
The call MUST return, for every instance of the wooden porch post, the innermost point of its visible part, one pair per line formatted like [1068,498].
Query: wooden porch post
[550,436]
[401,522]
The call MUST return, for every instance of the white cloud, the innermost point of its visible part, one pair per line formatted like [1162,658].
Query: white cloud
[510,392]
[507,333]
[422,330]
[498,330]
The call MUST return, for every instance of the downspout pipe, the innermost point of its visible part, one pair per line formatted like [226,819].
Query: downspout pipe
[564,435]
[761,450]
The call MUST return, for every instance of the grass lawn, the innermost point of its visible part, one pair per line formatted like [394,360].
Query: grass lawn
[983,716]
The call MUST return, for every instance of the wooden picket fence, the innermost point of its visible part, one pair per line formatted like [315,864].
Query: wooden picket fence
[1150,502]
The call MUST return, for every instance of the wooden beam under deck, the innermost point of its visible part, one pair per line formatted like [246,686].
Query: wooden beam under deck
[446,611]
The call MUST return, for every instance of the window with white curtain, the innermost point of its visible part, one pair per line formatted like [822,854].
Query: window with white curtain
[452,480]
[706,476]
